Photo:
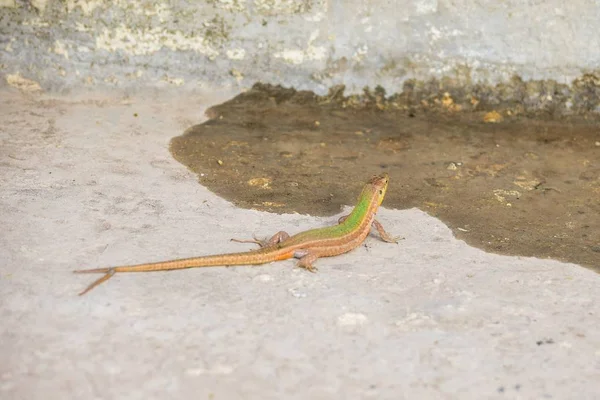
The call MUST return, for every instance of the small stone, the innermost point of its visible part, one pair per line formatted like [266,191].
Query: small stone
[263,183]
[492,117]
[352,319]
[447,100]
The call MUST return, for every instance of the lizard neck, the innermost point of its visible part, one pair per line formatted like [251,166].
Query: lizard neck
[364,210]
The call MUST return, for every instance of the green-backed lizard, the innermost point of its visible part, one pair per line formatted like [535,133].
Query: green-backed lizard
[309,245]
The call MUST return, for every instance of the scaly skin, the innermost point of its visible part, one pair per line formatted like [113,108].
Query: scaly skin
[307,246]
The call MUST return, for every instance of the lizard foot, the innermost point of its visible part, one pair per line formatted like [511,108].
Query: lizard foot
[306,261]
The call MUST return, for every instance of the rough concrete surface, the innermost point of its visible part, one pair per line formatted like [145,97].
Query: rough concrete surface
[90,182]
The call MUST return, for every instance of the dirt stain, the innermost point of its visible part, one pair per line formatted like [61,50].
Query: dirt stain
[505,183]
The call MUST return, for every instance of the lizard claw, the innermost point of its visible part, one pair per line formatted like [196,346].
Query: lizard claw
[308,266]
[395,239]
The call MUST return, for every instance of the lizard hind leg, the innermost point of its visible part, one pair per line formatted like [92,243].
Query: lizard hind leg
[255,240]
[275,239]
[307,258]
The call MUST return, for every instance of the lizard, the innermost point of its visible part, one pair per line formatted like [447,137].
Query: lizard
[307,246]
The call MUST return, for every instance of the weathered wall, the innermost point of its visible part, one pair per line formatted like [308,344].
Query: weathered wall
[308,44]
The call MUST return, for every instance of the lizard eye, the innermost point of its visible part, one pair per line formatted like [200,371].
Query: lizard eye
[380,191]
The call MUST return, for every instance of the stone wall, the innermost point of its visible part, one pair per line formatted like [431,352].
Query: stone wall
[307,44]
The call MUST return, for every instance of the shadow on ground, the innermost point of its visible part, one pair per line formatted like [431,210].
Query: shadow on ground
[518,186]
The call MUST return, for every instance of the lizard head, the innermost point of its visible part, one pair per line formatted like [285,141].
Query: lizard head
[378,185]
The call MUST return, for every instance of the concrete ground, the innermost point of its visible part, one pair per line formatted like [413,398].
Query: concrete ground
[89,182]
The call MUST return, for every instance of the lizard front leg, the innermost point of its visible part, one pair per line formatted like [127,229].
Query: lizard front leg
[386,237]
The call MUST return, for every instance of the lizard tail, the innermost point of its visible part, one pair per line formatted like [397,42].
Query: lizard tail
[91,271]
[108,273]
[246,258]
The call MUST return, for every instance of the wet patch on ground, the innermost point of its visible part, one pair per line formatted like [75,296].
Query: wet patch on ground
[504,182]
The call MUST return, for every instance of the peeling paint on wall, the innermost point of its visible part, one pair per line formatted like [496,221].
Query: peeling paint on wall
[61,48]
[143,42]
[26,85]
[161,10]
[7,3]
[310,53]
[232,5]
[286,7]
[40,5]
[236,54]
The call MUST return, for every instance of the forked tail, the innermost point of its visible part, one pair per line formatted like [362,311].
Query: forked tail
[246,258]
